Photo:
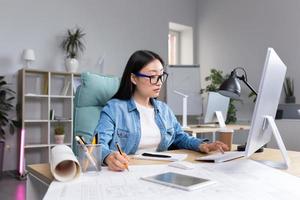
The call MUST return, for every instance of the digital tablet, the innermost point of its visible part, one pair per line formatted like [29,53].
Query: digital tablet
[180,181]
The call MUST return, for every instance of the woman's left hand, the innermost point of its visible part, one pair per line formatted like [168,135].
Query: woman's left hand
[214,146]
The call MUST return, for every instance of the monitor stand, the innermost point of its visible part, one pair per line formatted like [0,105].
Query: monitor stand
[221,122]
[220,119]
[269,120]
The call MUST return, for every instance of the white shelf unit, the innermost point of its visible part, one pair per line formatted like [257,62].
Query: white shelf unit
[41,92]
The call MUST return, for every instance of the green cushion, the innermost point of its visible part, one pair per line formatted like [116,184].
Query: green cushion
[86,119]
[95,90]
[93,93]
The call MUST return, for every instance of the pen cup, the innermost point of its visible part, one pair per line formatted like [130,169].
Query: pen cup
[89,158]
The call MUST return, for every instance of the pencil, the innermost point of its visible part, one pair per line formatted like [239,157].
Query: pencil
[121,152]
[220,149]
[90,149]
[86,151]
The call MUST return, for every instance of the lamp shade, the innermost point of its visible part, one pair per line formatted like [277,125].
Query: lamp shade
[231,87]
[28,55]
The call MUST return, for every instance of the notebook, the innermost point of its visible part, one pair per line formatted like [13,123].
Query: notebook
[219,157]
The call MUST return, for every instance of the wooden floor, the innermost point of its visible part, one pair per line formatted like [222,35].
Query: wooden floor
[11,188]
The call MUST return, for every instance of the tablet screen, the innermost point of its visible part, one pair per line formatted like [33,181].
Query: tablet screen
[178,180]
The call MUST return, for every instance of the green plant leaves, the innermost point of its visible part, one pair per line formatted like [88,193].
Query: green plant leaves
[6,106]
[288,87]
[59,130]
[72,43]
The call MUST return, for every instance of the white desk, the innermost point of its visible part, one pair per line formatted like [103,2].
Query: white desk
[238,179]
[40,177]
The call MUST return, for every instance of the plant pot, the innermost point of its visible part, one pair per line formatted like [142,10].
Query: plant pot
[2,145]
[71,64]
[290,99]
[59,139]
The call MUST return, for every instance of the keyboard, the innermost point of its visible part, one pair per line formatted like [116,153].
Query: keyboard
[219,157]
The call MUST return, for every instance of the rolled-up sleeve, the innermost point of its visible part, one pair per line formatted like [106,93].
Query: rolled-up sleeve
[105,130]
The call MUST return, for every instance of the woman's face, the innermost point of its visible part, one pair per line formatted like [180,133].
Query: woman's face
[146,80]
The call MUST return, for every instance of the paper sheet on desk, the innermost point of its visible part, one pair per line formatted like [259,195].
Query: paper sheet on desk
[113,186]
[239,179]
[174,157]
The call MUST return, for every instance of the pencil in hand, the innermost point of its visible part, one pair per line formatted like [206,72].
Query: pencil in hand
[220,149]
[121,152]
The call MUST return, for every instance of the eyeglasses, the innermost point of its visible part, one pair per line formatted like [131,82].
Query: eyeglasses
[154,79]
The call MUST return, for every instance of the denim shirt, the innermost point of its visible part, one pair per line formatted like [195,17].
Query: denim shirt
[120,122]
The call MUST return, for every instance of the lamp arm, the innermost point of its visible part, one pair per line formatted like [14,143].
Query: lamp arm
[242,78]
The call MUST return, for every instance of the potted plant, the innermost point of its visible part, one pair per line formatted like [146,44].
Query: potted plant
[59,134]
[6,124]
[73,45]
[288,87]
[216,78]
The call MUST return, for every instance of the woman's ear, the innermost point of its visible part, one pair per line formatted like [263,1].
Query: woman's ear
[133,79]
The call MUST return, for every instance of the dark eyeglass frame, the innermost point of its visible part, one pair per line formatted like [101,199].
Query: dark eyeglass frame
[152,78]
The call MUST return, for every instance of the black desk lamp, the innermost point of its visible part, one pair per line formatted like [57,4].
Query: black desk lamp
[231,88]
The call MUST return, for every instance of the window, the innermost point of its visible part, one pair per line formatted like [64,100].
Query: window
[180,44]
[173,47]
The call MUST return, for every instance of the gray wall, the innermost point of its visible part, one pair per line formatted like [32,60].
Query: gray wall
[236,33]
[114,29]
[231,33]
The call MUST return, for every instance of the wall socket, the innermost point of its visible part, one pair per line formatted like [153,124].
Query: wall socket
[8,147]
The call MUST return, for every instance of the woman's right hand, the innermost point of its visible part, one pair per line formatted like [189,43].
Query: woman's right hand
[117,162]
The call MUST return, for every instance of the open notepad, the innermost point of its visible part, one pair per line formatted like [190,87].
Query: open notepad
[161,156]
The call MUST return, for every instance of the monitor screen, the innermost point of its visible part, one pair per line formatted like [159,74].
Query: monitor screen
[267,101]
[216,102]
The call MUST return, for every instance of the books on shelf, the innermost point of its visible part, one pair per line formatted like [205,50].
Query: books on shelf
[66,87]
[52,112]
[45,89]
[58,118]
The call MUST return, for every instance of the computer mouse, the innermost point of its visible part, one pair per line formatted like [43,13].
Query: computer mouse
[182,165]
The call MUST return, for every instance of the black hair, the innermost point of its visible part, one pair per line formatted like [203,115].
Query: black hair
[136,62]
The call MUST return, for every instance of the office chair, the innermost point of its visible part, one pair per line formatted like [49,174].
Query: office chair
[91,96]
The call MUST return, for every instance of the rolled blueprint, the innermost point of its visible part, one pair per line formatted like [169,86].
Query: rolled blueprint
[63,164]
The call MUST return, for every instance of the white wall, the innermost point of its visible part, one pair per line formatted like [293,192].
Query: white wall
[114,29]
[236,33]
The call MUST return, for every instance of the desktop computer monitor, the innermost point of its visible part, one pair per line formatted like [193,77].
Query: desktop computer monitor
[263,124]
[217,105]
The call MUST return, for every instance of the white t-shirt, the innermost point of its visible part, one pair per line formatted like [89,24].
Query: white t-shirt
[150,133]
